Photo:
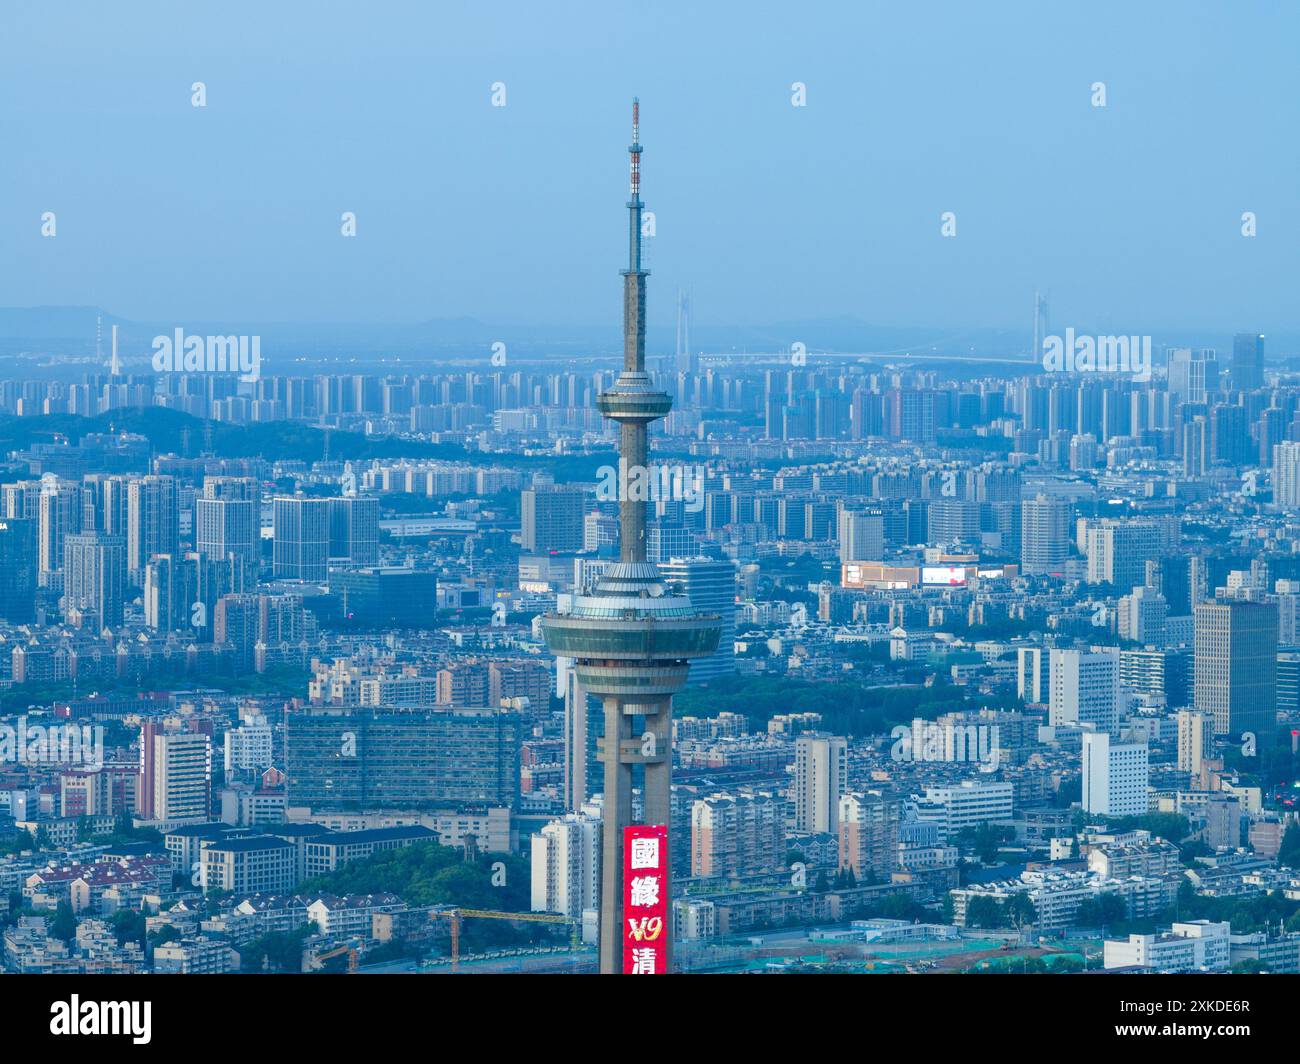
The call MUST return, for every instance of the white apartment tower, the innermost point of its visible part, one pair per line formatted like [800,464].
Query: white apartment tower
[1084,688]
[1114,776]
[566,864]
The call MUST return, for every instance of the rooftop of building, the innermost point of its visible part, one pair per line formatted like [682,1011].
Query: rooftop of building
[414,832]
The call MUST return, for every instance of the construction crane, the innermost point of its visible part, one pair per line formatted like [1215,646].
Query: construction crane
[455,916]
[350,949]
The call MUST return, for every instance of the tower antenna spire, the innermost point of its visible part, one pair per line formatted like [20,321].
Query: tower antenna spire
[634,206]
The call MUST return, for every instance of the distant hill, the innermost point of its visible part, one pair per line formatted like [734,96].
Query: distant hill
[165,431]
[274,441]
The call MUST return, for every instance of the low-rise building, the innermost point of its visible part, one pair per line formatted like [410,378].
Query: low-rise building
[199,955]
[1194,946]
[260,864]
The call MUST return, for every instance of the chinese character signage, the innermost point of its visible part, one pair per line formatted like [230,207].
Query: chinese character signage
[645,899]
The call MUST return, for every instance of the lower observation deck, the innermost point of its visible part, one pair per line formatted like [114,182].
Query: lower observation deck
[631,637]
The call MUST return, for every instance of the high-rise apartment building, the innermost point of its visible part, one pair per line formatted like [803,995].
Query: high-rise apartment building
[1195,740]
[820,779]
[1044,535]
[566,864]
[227,518]
[175,774]
[737,835]
[60,514]
[152,522]
[1286,475]
[1142,615]
[1118,553]
[181,592]
[94,577]
[248,747]
[1032,674]
[869,835]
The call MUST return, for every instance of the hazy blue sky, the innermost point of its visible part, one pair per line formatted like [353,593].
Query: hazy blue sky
[1129,216]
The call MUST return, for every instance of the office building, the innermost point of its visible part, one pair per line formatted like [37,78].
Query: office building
[354,529]
[362,759]
[1193,946]
[328,852]
[1118,553]
[861,536]
[551,520]
[301,543]
[710,584]
[258,864]
[385,596]
[18,537]
[967,804]
[1193,374]
[1247,371]
[1236,667]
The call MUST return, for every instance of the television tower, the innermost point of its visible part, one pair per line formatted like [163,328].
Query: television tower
[631,638]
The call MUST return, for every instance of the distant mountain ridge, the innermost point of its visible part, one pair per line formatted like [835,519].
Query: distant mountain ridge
[72,330]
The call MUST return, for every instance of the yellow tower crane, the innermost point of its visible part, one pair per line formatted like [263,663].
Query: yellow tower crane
[455,916]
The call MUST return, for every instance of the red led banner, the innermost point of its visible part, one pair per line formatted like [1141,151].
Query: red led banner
[645,899]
